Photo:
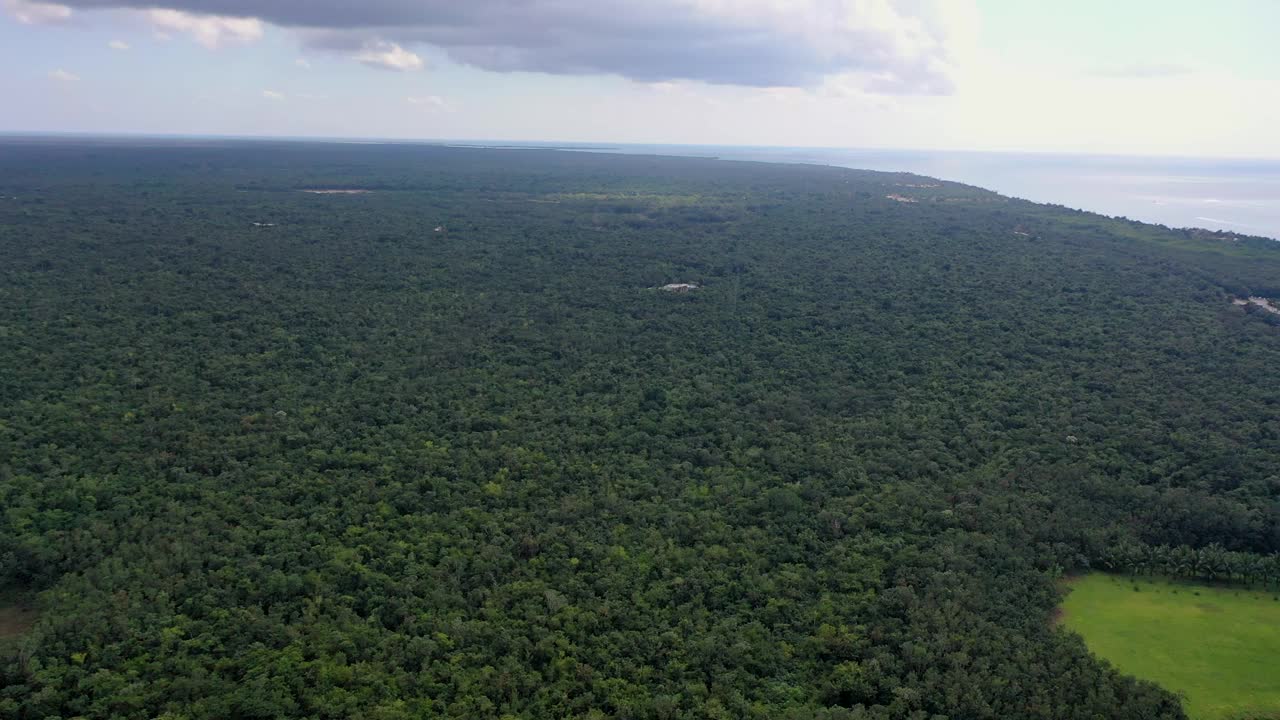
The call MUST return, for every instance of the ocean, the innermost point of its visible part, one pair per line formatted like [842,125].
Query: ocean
[1218,194]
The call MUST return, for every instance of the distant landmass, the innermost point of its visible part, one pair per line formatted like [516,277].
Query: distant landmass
[1238,195]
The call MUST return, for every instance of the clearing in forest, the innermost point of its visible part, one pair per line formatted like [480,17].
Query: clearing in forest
[1218,646]
[1261,302]
[15,620]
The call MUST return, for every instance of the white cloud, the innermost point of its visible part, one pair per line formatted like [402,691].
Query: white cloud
[891,47]
[212,31]
[303,63]
[389,55]
[118,45]
[432,102]
[63,76]
[272,95]
[36,13]
[901,46]
[665,86]
[1143,71]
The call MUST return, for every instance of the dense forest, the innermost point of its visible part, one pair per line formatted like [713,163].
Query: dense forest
[446,449]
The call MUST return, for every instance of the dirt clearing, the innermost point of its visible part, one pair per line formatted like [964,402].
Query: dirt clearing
[15,620]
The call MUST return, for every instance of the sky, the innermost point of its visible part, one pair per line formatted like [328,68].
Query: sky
[1143,77]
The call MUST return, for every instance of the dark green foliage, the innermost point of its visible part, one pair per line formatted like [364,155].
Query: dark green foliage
[350,466]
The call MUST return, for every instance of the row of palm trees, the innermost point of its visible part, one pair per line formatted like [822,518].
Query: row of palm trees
[1211,563]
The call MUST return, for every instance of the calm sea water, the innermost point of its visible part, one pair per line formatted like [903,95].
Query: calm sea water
[1239,195]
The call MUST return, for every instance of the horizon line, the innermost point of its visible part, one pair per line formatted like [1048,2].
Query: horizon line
[581,145]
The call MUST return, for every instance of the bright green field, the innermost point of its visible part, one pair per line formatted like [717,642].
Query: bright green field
[1220,647]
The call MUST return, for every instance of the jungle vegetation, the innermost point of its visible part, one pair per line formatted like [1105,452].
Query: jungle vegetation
[442,449]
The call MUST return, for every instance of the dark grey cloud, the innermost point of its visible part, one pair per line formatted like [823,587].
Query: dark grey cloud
[901,44]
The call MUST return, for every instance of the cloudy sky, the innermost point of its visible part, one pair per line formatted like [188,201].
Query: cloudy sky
[1186,77]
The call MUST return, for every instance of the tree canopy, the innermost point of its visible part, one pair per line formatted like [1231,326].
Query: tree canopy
[445,449]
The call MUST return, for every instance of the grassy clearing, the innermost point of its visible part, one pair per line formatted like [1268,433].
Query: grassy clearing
[1220,647]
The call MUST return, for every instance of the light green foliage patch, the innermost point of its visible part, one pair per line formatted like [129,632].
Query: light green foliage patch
[1218,646]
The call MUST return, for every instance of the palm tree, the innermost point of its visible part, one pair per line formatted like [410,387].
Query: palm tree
[1215,560]
[1203,566]
[1160,555]
[1183,561]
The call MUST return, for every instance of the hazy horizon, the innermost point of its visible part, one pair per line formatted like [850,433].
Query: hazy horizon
[605,145]
[1213,193]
